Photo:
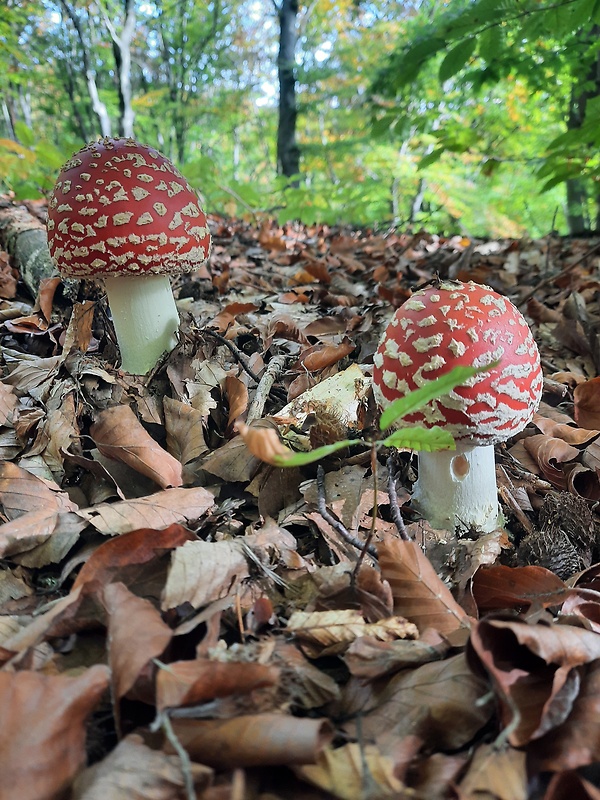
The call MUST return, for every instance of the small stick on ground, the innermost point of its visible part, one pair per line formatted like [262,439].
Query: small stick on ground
[338,526]
[235,352]
[393,495]
[273,370]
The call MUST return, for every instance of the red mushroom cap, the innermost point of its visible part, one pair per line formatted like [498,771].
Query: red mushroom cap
[120,207]
[451,324]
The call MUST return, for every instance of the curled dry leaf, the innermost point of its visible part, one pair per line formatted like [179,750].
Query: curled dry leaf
[326,633]
[253,740]
[549,452]
[263,443]
[118,434]
[193,682]
[42,730]
[568,433]
[320,357]
[533,670]
[496,772]
[237,396]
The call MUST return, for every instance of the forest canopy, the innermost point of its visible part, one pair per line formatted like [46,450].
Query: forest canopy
[478,117]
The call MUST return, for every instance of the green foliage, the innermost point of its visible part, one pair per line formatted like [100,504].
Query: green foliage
[29,169]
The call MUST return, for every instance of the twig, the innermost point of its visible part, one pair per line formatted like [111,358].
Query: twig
[367,545]
[235,352]
[274,369]
[186,764]
[553,278]
[393,495]
[338,526]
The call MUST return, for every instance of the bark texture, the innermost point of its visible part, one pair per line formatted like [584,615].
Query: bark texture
[288,152]
[24,238]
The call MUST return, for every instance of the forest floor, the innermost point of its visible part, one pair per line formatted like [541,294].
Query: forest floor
[191,622]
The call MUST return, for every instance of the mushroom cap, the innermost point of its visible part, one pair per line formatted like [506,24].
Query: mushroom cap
[454,323]
[122,208]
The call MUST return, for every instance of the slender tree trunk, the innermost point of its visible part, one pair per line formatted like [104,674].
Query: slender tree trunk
[90,76]
[122,54]
[577,191]
[288,152]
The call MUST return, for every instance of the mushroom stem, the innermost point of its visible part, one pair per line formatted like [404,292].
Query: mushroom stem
[456,489]
[145,317]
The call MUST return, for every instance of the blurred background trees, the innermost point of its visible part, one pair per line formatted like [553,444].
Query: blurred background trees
[479,117]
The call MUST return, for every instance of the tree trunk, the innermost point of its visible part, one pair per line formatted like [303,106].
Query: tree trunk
[288,152]
[122,55]
[577,192]
[90,76]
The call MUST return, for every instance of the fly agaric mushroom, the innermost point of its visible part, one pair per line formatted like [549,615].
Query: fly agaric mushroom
[441,326]
[121,212]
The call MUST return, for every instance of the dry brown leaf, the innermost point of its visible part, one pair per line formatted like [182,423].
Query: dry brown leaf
[264,443]
[193,682]
[419,594]
[42,730]
[500,587]
[368,658]
[237,396]
[253,740]
[353,772]
[118,434]
[203,571]
[131,646]
[499,773]
[536,694]
[443,703]
[79,332]
[569,785]
[154,511]
[133,771]
[576,742]
[8,404]
[21,491]
[587,404]
[549,452]
[568,433]
[185,431]
[32,530]
[136,549]
[326,633]
[324,356]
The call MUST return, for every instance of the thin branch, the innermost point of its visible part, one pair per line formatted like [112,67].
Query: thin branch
[235,352]
[186,764]
[368,547]
[274,369]
[393,495]
[338,526]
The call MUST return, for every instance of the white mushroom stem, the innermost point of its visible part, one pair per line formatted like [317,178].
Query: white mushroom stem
[456,489]
[145,317]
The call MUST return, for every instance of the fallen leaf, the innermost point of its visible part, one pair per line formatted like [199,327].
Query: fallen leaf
[498,587]
[42,730]
[419,594]
[586,397]
[253,740]
[118,434]
[183,683]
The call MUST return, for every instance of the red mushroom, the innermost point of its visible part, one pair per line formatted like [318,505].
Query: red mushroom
[121,212]
[442,326]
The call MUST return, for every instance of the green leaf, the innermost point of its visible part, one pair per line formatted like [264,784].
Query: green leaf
[301,459]
[417,438]
[24,134]
[431,158]
[456,58]
[425,394]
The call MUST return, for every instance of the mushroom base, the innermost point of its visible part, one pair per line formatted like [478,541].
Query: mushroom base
[145,317]
[456,489]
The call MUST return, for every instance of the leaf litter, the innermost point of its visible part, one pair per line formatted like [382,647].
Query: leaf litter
[181,617]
